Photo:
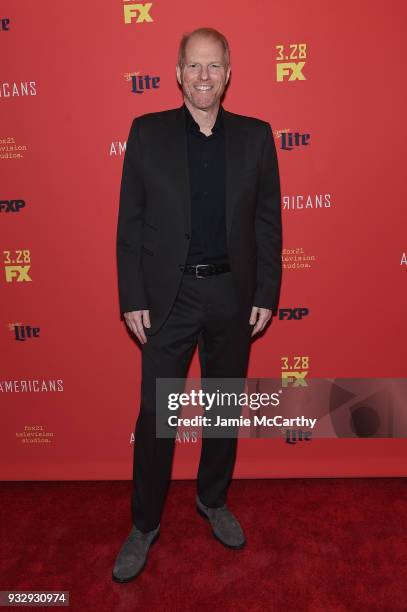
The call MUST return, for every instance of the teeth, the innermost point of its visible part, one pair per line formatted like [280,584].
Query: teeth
[203,87]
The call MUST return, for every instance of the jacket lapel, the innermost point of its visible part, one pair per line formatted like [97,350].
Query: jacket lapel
[236,150]
[174,141]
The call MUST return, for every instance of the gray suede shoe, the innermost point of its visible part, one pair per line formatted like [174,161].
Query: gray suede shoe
[225,526]
[132,556]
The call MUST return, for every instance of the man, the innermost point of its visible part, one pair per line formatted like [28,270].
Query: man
[199,263]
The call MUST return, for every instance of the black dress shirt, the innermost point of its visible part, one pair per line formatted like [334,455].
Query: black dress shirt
[207,168]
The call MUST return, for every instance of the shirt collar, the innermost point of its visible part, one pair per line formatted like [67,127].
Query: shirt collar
[194,126]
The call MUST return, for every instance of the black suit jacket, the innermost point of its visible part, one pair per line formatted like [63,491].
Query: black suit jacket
[153,229]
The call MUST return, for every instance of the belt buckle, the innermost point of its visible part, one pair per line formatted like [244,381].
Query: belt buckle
[200,266]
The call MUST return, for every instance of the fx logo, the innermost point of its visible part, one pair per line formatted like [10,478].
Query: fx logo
[139,12]
[4,25]
[290,140]
[17,273]
[290,69]
[292,313]
[11,205]
[294,379]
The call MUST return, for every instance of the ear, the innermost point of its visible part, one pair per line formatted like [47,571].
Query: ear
[228,74]
[178,73]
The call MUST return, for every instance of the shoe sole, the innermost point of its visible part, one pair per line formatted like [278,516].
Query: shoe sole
[115,579]
[237,547]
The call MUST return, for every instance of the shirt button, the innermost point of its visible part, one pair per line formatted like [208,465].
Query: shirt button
[187,236]
[205,164]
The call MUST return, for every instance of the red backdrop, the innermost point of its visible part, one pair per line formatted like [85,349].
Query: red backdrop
[330,73]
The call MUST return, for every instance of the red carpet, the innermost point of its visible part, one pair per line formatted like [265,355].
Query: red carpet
[313,545]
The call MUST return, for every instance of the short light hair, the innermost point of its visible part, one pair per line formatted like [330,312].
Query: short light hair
[209,33]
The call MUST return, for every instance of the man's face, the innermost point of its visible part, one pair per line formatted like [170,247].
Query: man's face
[204,74]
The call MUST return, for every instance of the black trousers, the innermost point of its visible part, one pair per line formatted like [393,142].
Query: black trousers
[205,313]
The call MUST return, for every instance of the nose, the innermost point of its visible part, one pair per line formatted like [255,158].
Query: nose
[204,73]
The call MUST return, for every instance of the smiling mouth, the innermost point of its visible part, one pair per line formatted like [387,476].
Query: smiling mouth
[203,87]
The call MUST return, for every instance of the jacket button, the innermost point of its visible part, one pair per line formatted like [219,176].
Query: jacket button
[187,236]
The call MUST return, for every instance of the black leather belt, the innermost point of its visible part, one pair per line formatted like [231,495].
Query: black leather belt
[202,270]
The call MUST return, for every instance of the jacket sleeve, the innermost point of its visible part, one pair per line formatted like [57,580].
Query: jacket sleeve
[132,294]
[268,229]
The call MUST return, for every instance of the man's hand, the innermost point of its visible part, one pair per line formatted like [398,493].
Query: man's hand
[260,316]
[136,320]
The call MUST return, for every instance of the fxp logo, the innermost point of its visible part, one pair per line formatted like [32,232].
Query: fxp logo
[137,12]
[11,205]
[291,314]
